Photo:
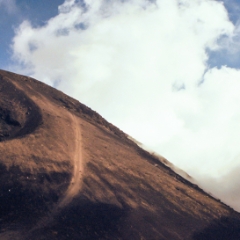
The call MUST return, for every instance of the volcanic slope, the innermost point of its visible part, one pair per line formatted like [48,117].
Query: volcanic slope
[66,173]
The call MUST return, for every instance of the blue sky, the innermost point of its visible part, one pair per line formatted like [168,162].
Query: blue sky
[13,13]
[167,72]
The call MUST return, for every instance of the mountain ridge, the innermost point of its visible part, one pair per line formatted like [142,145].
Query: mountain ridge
[122,191]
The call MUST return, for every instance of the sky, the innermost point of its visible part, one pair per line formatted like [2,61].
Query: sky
[166,72]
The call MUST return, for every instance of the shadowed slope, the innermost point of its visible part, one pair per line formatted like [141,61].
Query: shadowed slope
[119,192]
[19,115]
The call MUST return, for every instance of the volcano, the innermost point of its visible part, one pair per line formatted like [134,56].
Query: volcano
[67,173]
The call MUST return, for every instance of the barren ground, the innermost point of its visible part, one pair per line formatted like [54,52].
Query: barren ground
[66,173]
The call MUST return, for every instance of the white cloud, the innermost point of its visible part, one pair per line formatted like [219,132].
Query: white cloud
[143,66]
[225,188]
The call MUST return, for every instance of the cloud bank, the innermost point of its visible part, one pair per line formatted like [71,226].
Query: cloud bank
[144,65]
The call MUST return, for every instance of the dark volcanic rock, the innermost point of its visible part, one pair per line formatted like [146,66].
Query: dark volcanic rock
[66,173]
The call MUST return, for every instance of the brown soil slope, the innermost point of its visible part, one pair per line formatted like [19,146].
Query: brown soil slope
[66,173]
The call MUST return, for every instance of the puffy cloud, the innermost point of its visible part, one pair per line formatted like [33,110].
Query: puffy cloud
[144,66]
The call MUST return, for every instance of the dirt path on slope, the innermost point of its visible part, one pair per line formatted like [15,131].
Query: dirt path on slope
[76,181]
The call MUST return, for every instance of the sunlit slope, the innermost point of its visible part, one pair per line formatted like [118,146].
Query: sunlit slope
[66,173]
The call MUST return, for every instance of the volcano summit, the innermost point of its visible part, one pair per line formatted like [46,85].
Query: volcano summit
[66,173]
